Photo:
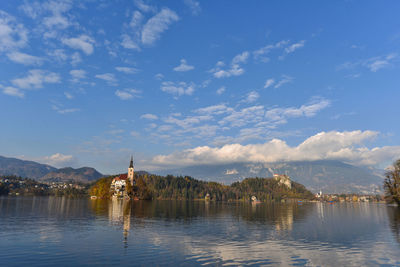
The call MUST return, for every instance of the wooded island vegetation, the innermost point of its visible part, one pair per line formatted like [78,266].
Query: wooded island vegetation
[149,186]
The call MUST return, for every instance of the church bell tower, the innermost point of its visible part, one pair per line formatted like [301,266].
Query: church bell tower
[131,171]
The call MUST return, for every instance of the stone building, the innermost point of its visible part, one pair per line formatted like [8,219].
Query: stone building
[283,179]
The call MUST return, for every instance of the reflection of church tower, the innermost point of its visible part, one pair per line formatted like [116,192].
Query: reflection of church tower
[131,171]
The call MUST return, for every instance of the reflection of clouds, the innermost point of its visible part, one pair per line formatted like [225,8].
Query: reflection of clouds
[357,240]
[194,233]
[282,252]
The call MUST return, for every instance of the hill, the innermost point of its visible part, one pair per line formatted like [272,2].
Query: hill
[46,173]
[149,186]
[83,175]
[24,168]
[330,176]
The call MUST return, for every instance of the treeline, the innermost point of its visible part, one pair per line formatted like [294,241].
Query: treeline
[149,186]
[14,185]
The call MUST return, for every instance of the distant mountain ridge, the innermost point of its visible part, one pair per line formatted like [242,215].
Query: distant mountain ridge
[84,175]
[330,176]
[46,173]
[24,168]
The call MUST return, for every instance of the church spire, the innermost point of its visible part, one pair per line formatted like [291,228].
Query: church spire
[131,172]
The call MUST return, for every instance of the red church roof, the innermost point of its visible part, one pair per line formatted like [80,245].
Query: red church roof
[121,177]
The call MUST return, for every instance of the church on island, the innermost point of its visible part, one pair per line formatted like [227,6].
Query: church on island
[120,183]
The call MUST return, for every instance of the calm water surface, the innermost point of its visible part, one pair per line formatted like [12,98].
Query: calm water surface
[39,231]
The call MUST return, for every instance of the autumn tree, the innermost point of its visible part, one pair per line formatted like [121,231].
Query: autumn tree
[392,183]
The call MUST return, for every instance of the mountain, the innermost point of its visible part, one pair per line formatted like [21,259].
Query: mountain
[23,168]
[43,172]
[330,176]
[83,175]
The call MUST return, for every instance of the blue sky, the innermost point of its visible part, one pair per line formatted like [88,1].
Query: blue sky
[187,82]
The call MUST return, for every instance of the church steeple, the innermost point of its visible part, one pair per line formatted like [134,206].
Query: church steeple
[131,171]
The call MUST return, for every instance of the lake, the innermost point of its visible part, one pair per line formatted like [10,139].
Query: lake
[55,231]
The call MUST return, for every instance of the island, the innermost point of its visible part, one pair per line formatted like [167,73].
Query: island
[146,186]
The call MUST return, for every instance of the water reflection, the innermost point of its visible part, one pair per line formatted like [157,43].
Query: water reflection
[394,221]
[119,211]
[65,231]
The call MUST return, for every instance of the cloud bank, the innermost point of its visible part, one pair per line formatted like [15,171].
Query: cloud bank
[346,146]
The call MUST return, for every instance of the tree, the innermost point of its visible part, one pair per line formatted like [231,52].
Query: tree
[392,183]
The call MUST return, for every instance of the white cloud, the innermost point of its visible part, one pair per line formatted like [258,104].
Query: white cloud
[54,9]
[127,70]
[128,94]
[269,82]
[68,95]
[123,95]
[285,79]
[373,64]
[134,133]
[59,160]
[183,66]
[24,59]
[83,42]
[143,7]
[264,119]
[248,115]
[13,35]
[252,97]
[149,116]
[188,122]
[214,110]
[129,43]
[12,91]
[231,172]
[57,19]
[194,6]
[249,123]
[178,88]
[136,20]
[235,68]
[156,25]
[77,75]
[61,110]
[261,54]
[376,64]
[108,77]
[58,55]
[159,76]
[280,115]
[294,47]
[241,58]
[221,90]
[36,78]
[76,58]
[346,146]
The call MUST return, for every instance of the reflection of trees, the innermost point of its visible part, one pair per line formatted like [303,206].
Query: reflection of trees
[394,220]
[279,215]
